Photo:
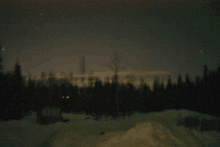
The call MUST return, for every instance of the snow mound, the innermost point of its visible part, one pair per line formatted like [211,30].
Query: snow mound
[145,134]
[149,134]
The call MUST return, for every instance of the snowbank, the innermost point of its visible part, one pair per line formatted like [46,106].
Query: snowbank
[144,130]
[152,134]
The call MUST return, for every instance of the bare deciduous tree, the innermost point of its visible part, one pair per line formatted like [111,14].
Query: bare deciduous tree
[82,71]
[82,68]
[116,66]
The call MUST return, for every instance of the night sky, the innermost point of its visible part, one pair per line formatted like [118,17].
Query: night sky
[155,38]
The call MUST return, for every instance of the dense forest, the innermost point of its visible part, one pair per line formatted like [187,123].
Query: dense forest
[20,96]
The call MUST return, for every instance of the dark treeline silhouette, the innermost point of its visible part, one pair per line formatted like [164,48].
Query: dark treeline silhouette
[19,96]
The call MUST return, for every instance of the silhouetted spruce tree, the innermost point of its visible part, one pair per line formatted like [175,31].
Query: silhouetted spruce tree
[7,96]
[211,92]
[91,79]
[130,102]
[69,94]
[190,100]
[169,84]
[147,95]
[217,89]
[72,97]
[205,76]
[156,102]
[136,99]
[140,95]
[98,102]
[137,103]
[64,88]
[140,88]
[156,85]
[115,86]
[180,92]
[43,79]
[107,95]
[175,100]
[76,107]
[56,99]
[197,82]
[18,102]
[41,92]
[65,82]
[41,95]
[113,102]
[212,81]
[1,85]
[82,93]
[51,82]
[198,91]
[123,98]
[180,82]
[218,78]
[169,93]
[31,91]
[204,89]
[162,86]
[218,74]
[106,100]
[162,95]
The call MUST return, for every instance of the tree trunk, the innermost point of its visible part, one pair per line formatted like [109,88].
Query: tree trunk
[117,97]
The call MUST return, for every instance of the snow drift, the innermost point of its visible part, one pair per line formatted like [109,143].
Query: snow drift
[157,129]
[152,134]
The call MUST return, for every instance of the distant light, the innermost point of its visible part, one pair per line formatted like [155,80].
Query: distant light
[66,97]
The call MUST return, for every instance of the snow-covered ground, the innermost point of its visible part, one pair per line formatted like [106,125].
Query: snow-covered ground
[156,129]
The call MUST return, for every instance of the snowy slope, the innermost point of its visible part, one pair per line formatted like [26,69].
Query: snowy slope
[153,129]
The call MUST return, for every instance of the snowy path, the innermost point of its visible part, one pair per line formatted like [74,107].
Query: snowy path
[154,129]
[46,143]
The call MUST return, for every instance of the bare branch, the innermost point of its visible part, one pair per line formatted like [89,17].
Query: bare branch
[115,63]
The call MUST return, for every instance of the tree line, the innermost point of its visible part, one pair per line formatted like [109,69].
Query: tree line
[19,96]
